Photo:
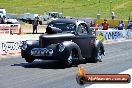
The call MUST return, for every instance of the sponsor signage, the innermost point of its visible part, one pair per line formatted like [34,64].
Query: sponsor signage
[112,34]
[9,28]
[82,77]
[10,47]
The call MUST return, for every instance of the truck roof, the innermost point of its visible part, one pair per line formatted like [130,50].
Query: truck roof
[67,20]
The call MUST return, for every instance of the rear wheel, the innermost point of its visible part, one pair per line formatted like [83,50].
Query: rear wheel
[99,55]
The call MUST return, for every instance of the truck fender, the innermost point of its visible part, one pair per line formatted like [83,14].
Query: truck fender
[71,45]
[30,44]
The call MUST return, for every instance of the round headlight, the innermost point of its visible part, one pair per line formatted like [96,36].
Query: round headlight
[24,46]
[61,47]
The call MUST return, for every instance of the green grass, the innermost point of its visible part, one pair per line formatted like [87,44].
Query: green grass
[75,8]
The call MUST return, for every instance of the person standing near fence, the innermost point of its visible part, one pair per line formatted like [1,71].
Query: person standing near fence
[105,25]
[35,24]
[121,25]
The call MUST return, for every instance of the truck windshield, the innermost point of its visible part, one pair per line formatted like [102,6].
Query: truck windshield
[65,27]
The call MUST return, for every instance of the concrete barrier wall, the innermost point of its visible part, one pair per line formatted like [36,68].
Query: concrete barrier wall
[10,29]
[112,34]
[10,47]
[13,44]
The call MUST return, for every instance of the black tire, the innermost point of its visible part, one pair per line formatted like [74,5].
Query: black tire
[72,58]
[69,60]
[29,60]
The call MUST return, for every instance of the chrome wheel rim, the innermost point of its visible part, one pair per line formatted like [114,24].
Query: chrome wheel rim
[99,57]
[70,59]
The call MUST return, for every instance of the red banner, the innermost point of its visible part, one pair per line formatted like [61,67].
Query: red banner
[10,29]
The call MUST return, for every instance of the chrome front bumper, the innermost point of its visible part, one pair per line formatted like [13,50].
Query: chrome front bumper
[41,52]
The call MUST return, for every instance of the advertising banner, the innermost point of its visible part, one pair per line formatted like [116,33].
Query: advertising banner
[10,47]
[10,29]
[112,34]
[129,34]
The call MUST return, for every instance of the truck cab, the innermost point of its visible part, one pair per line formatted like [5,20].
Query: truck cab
[65,40]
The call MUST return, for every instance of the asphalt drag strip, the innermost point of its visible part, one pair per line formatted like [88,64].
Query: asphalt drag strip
[16,73]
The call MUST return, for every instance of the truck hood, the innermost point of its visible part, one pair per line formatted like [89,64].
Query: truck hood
[45,40]
[58,35]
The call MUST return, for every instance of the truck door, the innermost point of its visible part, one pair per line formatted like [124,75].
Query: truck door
[83,40]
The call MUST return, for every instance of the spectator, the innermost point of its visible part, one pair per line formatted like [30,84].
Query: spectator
[35,24]
[105,25]
[95,25]
[121,25]
[112,15]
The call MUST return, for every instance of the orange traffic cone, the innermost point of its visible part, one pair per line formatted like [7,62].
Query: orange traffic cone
[81,71]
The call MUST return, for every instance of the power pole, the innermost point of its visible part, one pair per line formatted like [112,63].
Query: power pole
[62,6]
[110,7]
[99,7]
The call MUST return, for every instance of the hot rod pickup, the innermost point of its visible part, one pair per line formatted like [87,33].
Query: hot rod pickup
[66,40]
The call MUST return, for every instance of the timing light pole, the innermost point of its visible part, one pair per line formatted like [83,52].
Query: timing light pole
[62,5]
[99,7]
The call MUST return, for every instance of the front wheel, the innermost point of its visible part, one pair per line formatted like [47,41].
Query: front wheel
[96,56]
[72,58]
[69,60]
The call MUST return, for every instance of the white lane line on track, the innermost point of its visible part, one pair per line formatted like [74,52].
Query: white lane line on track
[129,85]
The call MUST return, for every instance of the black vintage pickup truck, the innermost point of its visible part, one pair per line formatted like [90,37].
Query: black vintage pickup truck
[66,40]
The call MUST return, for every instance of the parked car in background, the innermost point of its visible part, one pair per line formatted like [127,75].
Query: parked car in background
[27,17]
[12,21]
[50,16]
